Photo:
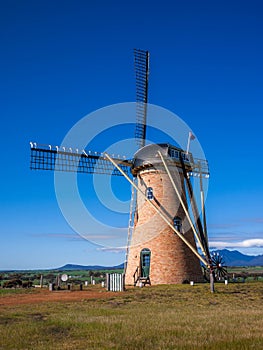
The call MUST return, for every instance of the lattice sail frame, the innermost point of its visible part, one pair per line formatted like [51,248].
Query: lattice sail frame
[141,65]
[47,157]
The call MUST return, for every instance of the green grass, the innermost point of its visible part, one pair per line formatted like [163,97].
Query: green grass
[19,291]
[161,317]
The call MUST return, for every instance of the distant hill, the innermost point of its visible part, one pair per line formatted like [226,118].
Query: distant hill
[235,258]
[73,267]
[231,258]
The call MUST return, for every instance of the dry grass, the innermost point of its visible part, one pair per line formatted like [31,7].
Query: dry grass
[163,317]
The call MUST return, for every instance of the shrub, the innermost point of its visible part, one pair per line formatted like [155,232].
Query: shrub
[14,283]
[27,284]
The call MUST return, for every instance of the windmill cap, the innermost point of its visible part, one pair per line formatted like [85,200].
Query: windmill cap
[148,156]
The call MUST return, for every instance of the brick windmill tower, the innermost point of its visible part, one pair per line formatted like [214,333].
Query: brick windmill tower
[157,255]
[162,235]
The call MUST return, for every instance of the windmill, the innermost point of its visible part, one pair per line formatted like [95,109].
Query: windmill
[162,235]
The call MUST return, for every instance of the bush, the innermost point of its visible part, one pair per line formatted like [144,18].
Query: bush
[14,283]
[27,284]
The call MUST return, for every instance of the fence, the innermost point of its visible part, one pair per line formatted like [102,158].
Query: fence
[115,282]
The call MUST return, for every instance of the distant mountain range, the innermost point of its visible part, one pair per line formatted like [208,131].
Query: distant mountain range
[235,258]
[72,267]
[231,258]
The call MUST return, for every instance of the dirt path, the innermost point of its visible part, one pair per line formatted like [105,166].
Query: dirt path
[44,295]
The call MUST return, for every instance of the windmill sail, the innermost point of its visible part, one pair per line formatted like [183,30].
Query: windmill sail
[141,62]
[54,158]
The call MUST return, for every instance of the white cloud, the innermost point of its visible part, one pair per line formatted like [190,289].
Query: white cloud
[248,243]
[112,250]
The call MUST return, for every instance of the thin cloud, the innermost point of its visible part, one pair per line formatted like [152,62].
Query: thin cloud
[253,220]
[97,236]
[112,250]
[59,235]
[227,236]
[247,243]
[241,222]
[225,226]
[75,236]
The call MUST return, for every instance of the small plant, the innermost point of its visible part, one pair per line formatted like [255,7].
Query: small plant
[13,283]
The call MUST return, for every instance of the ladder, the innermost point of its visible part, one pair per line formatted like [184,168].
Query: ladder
[131,222]
[138,278]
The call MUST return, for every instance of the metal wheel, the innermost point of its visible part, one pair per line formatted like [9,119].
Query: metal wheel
[219,266]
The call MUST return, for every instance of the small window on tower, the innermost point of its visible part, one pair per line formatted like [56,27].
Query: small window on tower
[149,193]
[177,223]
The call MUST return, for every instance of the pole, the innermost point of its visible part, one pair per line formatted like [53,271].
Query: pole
[212,280]
[188,143]
[41,281]
[211,269]
[203,203]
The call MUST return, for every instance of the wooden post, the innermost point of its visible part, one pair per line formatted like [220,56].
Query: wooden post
[41,281]
[212,281]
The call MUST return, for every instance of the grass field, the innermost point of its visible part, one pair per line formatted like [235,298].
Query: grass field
[161,317]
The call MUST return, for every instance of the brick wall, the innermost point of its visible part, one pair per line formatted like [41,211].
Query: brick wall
[171,260]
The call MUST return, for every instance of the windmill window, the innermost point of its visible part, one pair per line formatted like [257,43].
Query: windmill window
[185,157]
[146,260]
[174,153]
[177,223]
[149,193]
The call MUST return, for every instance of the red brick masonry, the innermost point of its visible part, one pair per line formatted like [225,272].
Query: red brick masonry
[171,260]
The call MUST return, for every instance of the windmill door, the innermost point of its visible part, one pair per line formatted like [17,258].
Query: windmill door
[145,262]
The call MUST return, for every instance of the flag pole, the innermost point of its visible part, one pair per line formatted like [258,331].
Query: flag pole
[188,142]
[191,136]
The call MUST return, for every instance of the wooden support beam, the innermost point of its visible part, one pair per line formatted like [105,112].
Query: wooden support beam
[203,204]
[196,213]
[182,204]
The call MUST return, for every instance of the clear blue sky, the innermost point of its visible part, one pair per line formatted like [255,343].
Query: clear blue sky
[61,60]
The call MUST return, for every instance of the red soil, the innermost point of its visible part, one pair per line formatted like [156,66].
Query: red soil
[44,295]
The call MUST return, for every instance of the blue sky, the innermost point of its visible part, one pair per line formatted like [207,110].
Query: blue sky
[61,60]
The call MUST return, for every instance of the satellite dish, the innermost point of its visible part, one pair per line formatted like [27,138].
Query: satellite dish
[64,277]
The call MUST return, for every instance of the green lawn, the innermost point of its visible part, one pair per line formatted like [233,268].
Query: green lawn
[161,317]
